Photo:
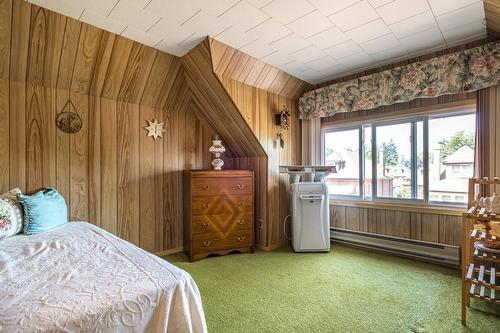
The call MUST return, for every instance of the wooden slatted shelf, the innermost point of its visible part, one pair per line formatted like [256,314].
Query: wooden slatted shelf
[480,273]
[485,280]
[487,256]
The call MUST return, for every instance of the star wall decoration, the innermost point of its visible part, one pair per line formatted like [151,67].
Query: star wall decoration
[155,129]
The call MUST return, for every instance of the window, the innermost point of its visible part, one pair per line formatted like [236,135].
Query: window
[342,149]
[423,159]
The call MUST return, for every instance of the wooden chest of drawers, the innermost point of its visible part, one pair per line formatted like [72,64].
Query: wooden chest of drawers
[218,212]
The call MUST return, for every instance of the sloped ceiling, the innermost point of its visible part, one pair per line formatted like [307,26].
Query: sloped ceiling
[314,40]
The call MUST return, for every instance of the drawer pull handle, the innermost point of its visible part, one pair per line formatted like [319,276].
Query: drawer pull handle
[240,239]
[204,224]
[242,221]
[205,205]
[241,186]
[207,243]
[205,187]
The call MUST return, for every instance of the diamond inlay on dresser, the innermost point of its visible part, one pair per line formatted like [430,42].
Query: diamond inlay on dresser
[219,212]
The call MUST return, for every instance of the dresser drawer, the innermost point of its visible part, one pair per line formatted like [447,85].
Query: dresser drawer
[214,205]
[222,224]
[222,186]
[214,241]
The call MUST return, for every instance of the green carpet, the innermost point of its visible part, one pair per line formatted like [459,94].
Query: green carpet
[346,290]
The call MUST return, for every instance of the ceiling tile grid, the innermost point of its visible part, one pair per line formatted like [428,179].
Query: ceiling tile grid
[314,40]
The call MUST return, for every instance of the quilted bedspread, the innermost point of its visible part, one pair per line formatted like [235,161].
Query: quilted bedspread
[80,278]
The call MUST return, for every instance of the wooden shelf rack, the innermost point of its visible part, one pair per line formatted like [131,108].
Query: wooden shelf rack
[480,273]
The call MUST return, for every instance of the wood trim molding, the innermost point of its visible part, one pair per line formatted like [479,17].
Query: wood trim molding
[168,252]
[440,210]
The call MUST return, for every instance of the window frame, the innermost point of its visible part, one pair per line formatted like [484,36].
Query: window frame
[361,158]
[379,122]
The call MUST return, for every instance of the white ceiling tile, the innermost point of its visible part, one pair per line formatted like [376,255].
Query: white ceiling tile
[368,31]
[69,8]
[322,64]
[399,10]
[99,6]
[343,50]
[465,32]
[100,20]
[125,9]
[378,3]
[258,49]
[287,11]
[324,38]
[278,58]
[328,38]
[234,37]
[362,11]
[179,48]
[243,15]
[259,3]
[423,40]
[356,60]
[460,17]
[292,43]
[308,54]
[268,31]
[145,38]
[390,54]
[329,7]
[379,44]
[412,25]
[205,23]
[310,24]
[440,7]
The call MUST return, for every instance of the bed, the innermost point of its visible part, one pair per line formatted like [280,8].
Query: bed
[80,278]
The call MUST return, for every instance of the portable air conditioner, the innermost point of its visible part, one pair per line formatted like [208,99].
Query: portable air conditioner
[310,217]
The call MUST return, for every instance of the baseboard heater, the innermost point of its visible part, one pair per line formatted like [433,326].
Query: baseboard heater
[447,255]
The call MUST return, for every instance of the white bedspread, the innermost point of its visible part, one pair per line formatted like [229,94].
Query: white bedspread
[80,278]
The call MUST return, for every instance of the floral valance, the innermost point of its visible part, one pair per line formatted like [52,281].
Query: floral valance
[452,73]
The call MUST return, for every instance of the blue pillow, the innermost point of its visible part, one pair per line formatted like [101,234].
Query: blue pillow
[43,211]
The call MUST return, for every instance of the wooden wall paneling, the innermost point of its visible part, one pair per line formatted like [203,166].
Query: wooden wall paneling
[450,231]
[109,165]
[239,66]
[128,171]
[38,46]
[352,220]
[21,17]
[86,55]
[68,53]
[159,74]
[17,138]
[5,35]
[103,57]
[492,13]
[338,216]
[415,226]
[159,173]
[147,188]
[94,159]
[117,67]
[430,227]
[40,138]
[79,162]
[63,151]
[4,136]
[136,74]
[172,215]
[55,34]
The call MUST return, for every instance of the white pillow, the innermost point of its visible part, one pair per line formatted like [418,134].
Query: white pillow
[11,214]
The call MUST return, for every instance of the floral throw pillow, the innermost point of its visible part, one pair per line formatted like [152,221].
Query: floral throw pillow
[11,216]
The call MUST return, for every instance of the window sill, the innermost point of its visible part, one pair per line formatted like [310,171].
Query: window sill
[414,208]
